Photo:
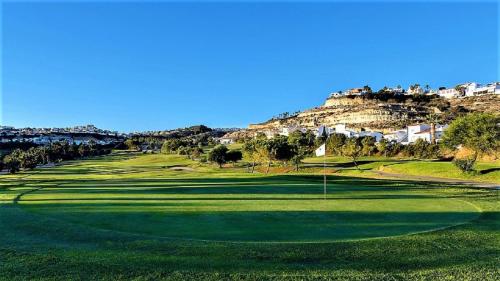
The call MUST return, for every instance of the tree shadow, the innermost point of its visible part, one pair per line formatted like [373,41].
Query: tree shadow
[490,170]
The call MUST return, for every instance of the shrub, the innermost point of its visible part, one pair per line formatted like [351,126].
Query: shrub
[234,156]
[465,164]
[218,155]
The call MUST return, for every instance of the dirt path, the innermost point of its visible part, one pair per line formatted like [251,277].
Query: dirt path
[437,179]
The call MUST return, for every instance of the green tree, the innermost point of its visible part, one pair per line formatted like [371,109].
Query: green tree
[335,142]
[233,156]
[218,155]
[383,147]
[368,144]
[280,149]
[353,149]
[298,154]
[478,132]
[196,152]
[302,141]
[131,144]
[29,159]
[250,153]
[12,161]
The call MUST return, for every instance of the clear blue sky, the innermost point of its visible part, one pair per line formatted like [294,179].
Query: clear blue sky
[136,66]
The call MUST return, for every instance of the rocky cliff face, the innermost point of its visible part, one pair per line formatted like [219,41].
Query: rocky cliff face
[378,115]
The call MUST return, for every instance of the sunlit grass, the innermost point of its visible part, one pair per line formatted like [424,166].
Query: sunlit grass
[136,217]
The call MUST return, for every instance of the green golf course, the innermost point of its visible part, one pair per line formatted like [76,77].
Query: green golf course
[155,216]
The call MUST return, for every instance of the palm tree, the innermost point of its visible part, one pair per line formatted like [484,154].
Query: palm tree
[433,119]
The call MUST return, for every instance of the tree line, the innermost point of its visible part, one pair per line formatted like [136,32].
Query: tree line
[478,132]
[52,153]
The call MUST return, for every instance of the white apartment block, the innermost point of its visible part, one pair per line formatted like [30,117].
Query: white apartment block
[475,89]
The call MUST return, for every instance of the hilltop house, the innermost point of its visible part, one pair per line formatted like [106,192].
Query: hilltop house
[475,89]
[398,90]
[336,95]
[449,93]
[355,92]
[415,90]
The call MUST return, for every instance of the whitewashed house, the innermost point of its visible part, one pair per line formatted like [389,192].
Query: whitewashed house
[423,131]
[355,92]
[414,130]
[400,136]
[448,93]
[286,131]
[475,89]
[336,95]
[226,140]
[342,129]
[415,90]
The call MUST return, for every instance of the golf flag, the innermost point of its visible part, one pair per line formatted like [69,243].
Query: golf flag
[321,150]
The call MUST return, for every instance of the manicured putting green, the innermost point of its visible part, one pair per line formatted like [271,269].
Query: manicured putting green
[205,203]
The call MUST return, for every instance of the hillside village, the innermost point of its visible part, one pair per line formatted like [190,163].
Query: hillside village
[395,114]
[78,135]
[462,90]
[91,134]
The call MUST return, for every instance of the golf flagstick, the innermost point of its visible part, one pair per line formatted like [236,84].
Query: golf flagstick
[324,173]
[321,151]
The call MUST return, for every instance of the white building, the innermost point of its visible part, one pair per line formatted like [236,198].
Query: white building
[475,89]
[400,136]
[355,92]
[336,95]
[42,140]
[423,131]
[415,90]
[413,130]
[324,130]
[430,92]
[342,129]
[398,90]
[449,93]
[377,135]
[226,140]
[286,131]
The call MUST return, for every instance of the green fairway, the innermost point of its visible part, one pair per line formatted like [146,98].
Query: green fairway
[124,208]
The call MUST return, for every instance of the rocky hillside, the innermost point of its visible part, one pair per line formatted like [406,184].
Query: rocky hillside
[377,113]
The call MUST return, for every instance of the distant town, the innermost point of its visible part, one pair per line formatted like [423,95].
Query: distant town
[85,134]
[462,90]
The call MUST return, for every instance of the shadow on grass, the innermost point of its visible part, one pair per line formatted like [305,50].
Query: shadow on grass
[490,170]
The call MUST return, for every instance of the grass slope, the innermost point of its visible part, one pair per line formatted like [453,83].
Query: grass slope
[110,219]
[485,171]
